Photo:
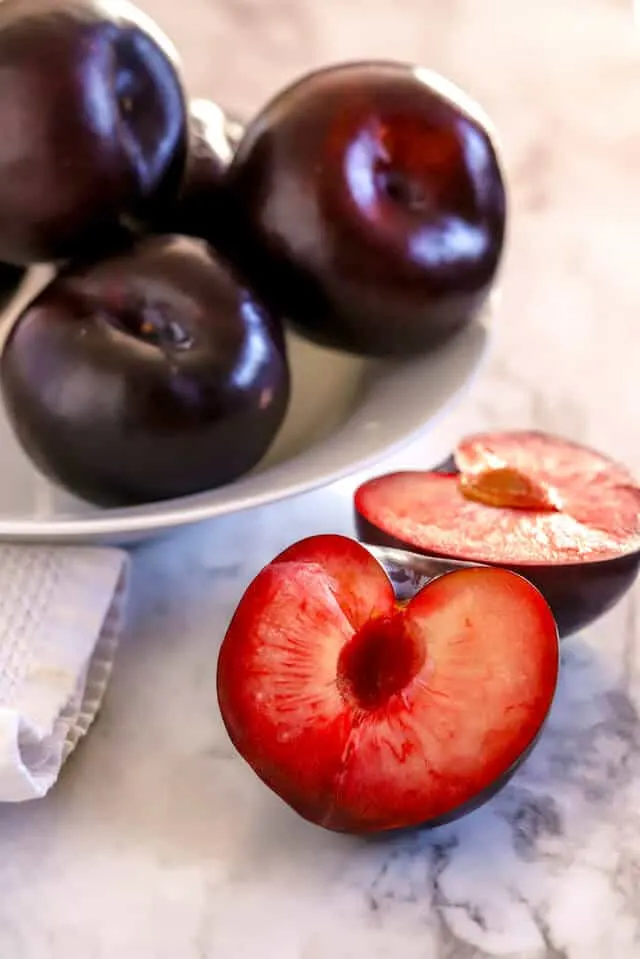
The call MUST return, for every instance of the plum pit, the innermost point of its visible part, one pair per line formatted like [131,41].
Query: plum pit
[508,488]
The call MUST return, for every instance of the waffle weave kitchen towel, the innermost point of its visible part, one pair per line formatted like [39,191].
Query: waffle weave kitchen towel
[61,615]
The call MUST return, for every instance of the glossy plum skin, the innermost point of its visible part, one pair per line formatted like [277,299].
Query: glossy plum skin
[578,594]
[199,209]
[369,206]
[94,131]
[146,376]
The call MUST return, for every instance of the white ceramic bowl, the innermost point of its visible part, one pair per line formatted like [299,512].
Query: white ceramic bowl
[346,414]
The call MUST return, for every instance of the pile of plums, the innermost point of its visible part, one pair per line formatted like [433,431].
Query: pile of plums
[364,204]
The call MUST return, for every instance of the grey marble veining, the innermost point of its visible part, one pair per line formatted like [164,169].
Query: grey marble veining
[158,842]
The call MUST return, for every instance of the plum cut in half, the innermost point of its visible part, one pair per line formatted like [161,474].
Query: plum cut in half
[365,714]
[564,516]
[369,207]
[145,376]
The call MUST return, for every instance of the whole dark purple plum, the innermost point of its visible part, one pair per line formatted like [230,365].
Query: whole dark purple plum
[94,128]
[369,207]
[199,209]
[145,376]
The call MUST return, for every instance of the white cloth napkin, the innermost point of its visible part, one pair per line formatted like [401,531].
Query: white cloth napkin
[61,613]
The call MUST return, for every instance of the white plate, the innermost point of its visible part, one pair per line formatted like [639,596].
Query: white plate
[346,413]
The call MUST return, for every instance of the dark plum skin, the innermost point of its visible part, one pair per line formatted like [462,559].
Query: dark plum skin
[146,376]
[370,208]
[11,277]
[94,130]
[578,593]
[199,208]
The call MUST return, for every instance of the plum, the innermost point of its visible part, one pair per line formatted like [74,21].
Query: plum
[148,375]
[11,276]
[94,129]
[369,207]
[365,714]
[199,209]
[564,516]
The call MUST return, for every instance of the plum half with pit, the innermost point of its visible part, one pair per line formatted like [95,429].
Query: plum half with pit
[94,129]
[149,375]
[370,207]
[563,515]
[365,714]
[200,209]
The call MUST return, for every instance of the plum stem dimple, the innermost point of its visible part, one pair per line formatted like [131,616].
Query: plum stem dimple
[379,661]
[401,189]
[507,488]
[150,325]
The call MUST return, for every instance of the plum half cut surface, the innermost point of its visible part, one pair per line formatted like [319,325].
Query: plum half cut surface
[146,376]
[367,715]
[563,515]
[369,207]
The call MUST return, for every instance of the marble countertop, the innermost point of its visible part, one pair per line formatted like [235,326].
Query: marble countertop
[158,842]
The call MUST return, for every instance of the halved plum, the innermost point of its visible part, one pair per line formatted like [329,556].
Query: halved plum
[564,516]
[365,714]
